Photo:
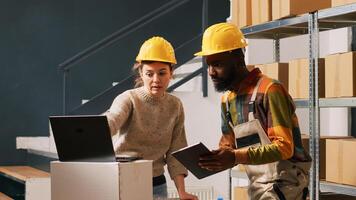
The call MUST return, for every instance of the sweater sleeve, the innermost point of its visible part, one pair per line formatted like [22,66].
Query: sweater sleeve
[280,110]
[119,112]
[178,141]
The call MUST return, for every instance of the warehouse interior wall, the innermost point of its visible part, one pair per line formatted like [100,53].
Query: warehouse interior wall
[37,36]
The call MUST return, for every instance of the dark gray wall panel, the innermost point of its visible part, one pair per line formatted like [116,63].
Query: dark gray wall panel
[36,36]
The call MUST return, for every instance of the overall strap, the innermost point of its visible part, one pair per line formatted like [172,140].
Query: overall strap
[228,114]
[251,104]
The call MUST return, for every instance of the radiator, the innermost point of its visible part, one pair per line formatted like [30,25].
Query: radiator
[203,193]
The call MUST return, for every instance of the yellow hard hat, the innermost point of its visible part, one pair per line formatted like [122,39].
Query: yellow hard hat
[221,37]
[156,49]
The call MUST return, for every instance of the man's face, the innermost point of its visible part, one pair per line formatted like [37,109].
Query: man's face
[222,70]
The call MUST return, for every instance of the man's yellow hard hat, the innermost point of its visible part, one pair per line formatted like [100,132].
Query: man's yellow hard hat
[156,49]
[221,37]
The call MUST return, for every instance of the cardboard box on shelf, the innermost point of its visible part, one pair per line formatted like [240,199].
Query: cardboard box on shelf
[240,193]
[286,8]
[335,196]
[340,75]
[250,67]
[241,168]
[241,13]
[278,71]
[298,79]
[322,151]
[340,161]
[261,11]
[335,3]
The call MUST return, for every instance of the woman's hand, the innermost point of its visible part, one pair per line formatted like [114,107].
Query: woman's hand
[184,195]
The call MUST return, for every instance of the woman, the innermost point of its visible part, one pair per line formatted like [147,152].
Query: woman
[148,120]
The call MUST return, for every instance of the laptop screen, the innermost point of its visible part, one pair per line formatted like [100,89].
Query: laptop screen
[82,138]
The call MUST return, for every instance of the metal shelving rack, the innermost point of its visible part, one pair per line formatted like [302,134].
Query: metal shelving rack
[311,24]
[328,102]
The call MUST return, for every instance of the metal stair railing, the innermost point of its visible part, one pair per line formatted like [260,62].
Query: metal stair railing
[125,31]
[187,78]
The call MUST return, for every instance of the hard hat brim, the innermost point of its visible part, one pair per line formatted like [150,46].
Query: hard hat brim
[208,53]
[174,62]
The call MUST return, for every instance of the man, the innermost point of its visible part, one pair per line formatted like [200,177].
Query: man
[259,125]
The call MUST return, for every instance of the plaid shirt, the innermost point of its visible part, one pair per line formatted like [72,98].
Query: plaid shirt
[275,110]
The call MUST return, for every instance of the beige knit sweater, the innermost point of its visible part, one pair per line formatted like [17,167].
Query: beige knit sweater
[152,127]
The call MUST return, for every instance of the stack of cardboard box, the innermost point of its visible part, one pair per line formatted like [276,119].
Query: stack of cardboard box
[240,193]
[340,161]
[340,75]
[261,11]
[253,12]
[250,67]
[322,151]
[241,14]
[278,71]
[287,8]
[335,3]
[299,78]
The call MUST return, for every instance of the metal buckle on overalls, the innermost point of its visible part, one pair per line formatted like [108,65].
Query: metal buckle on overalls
[228,117]
[251,106]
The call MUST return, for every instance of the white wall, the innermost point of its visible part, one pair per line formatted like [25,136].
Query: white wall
[202,123]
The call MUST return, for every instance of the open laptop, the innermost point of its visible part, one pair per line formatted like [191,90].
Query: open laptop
[82,138]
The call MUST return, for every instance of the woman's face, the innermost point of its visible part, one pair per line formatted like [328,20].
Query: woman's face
[156,77]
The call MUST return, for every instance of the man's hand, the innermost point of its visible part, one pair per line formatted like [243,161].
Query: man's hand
[218,160]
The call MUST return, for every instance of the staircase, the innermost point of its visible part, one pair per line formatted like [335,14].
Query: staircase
[45,146]
[23,182]
[4,197]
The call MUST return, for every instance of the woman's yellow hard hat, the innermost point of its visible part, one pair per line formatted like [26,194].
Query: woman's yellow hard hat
[221,37]
[156,49]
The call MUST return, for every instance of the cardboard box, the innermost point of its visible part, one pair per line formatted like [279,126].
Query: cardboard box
[261,11]
[334,196]
[241,13]
[240,193]
[322,151]
[250,67]
[340,161]
[335,3]
[340,75]
[286,8]
[104,180]
[298,79]
[278,71]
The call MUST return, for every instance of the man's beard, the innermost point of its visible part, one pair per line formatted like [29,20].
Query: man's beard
[224,83]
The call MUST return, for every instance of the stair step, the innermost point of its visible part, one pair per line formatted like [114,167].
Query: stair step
[4,197]
[23,173]
[24,182]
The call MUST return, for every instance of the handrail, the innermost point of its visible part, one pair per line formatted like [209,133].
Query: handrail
[186,79]
[109,40]
[126,30]
[176,49]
